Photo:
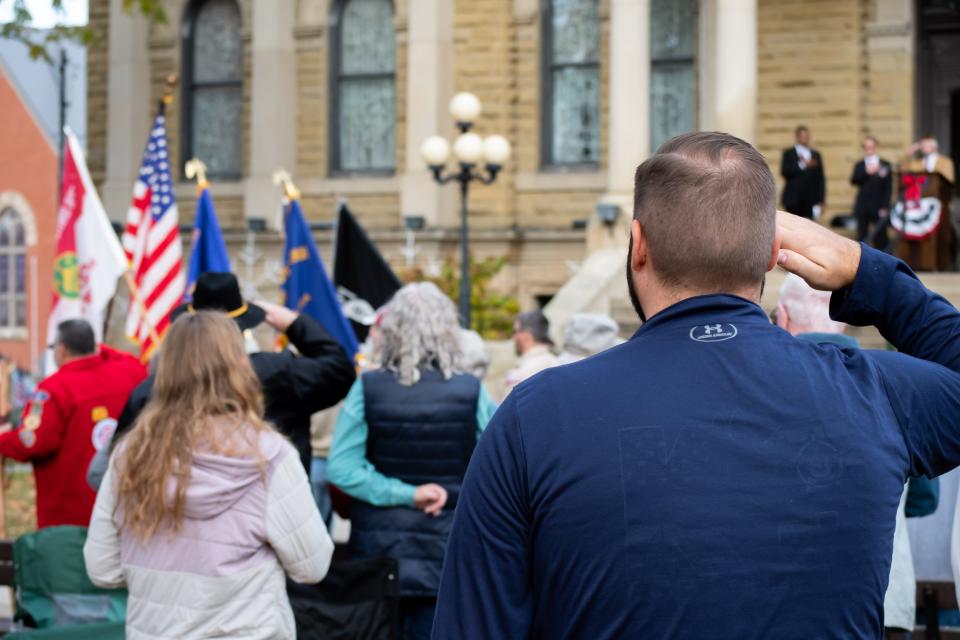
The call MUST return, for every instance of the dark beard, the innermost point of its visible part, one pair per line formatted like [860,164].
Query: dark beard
[631,288]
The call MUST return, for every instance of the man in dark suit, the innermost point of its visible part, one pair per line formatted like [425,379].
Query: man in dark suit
[874,176]
[802,168]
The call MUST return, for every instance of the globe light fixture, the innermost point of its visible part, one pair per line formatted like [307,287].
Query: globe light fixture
[465,108]
[468,147]
[496,150]
[435,151]
[469,150]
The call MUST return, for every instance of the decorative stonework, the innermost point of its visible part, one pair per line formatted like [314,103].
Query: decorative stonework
[18,203]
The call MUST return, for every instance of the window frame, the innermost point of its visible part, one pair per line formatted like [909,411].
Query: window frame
[335,77]
[548,66]
[189,86]
[676,61]
[11,297]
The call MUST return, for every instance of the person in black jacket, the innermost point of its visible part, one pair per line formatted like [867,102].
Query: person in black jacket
[295,385]
[804,193]
[874,176]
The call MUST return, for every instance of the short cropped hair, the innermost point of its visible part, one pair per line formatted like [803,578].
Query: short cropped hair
[872,138]
[537,324]
[707,205]
[806,307]
[800,128]
[77,337]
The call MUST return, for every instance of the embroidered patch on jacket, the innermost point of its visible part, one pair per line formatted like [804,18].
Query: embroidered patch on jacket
[103,432]
[31,422]
[28,438]
[99,413]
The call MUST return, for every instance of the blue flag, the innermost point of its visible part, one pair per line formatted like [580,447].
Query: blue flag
[209,252]
[307,287]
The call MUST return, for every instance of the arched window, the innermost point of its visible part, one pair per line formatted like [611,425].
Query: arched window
[213,86]
[362,87]
[571,83]
[13,271]
[673,45]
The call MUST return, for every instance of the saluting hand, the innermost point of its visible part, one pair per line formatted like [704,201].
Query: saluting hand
[278,317]
[826,260]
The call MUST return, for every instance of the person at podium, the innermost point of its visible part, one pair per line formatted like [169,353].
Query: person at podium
[924,155]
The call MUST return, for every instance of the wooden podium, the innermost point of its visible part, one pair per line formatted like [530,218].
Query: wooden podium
[935,251]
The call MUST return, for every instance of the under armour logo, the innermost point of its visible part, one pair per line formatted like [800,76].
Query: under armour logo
[713,332]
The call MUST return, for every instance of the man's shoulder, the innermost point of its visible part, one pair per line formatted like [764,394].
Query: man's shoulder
[268,360]
[119,360]
[577,377]
[50,384]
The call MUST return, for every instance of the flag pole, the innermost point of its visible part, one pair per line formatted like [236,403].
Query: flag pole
[135,294]
[167,98]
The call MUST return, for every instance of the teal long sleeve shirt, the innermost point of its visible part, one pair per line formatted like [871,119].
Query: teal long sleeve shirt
[348,467]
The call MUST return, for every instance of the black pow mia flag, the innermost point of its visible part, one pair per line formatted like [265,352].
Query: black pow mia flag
[364,280]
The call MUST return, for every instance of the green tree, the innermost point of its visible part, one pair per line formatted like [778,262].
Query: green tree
[21,29]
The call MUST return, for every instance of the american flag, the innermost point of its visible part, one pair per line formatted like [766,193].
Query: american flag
[152,244]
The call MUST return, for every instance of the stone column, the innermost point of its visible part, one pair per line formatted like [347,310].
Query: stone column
[430,87]
[728,67]
[273,113]
[889,104]
[629,128]
[128,106]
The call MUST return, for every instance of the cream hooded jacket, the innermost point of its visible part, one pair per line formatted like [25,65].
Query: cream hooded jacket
[223,573]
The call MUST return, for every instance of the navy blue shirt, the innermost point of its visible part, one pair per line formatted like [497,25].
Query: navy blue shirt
[713,477]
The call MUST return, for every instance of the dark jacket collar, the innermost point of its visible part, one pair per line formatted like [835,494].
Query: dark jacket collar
[711,306]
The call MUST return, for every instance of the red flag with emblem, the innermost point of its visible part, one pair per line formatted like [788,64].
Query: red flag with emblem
[89,258]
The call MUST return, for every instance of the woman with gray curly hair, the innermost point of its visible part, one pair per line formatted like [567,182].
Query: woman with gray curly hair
[402,442]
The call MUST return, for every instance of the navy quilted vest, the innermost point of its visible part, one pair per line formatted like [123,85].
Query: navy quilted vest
[419,434]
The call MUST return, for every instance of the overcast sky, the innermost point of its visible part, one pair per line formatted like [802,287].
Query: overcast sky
[74,12]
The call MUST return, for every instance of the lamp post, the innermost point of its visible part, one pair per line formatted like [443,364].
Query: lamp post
[469,150]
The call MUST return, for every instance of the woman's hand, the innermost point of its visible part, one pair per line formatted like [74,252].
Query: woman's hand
[430,498]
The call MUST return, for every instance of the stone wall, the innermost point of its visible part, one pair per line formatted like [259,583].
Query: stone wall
[845,69]
[811,71]
[888,109]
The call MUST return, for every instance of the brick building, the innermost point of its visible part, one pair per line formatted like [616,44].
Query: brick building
[342,92]
[29,126]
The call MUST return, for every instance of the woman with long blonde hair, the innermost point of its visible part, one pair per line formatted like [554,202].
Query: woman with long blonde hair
[204,506]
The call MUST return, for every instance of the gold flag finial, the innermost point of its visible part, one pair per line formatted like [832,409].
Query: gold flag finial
[282,177]
[196,169]
[168,85]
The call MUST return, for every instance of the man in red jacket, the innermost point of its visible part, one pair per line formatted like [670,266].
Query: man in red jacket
[72,414]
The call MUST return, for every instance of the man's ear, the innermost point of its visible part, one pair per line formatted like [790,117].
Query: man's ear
[639,256]
[783,318]
[776,250]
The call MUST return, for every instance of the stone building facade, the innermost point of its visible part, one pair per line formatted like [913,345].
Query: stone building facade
[755,68]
